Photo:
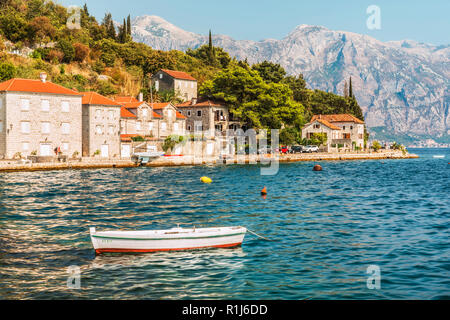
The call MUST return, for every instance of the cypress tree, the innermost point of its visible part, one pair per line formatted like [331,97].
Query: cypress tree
[350,90]
[129,25]
[346,89]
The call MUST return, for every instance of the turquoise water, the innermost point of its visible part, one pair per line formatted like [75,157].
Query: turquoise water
[327,227]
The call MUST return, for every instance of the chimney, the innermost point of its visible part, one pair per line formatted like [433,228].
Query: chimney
[194,101]
[141,97]
[43,76]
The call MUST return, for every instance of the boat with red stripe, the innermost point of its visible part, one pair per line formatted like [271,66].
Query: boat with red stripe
[174,239]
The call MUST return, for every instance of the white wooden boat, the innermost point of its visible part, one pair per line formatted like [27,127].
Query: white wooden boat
[166,240]
[439,157]
[145,157]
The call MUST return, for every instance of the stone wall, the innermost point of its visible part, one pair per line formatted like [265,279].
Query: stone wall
[36,140]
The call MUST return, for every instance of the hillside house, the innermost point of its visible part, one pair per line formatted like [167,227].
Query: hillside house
[183,84]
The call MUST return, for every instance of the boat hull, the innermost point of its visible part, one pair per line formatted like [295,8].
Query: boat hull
[166,240]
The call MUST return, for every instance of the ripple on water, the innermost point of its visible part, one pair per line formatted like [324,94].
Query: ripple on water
[327,228]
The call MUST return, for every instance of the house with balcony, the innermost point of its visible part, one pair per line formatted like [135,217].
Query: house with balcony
[209,117]
[182,83]
[100,126]
[38,117]
[343,131]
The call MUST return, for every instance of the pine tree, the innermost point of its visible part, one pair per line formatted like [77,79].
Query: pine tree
[108,23]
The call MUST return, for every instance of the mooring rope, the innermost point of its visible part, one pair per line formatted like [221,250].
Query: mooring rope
[259,236]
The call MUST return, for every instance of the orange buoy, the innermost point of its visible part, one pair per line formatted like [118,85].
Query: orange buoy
[264,191]
[317,168]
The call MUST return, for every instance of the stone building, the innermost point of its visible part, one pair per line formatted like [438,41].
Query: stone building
[183,84]
[208,116]
[100,126]
[172,121]
[344,131]
[37,117]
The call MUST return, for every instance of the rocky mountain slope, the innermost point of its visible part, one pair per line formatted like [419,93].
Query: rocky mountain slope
[402,86]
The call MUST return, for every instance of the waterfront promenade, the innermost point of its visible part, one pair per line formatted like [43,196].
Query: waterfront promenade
[93,163]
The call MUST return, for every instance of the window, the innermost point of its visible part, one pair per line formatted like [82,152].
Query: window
[138,126]
[98,113]
[198,127]
[25,146]
[144,112]
[150,126]
[199,113]
[163,126]
[111,130]
[189,113]
[65,128]
[111,114]
[192,85]
[45,127]
[45,105]
[98,129]
[65,106]
[175,127]
[351,127]
[317,126]
[160,75]
[25,103]
[186,84]
[189,128]
[169,113]
[65,146]
[25,127]
[343,127]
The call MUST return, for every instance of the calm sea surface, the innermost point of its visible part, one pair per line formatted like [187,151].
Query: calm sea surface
[327,227]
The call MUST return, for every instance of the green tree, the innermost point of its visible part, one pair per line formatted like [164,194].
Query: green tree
[258,104]
[270,72]
[7,71]
[13,26]
[376,146]
[67,49]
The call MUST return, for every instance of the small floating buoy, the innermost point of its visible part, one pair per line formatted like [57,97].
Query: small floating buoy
[205,180]
[264,191]
[317,168]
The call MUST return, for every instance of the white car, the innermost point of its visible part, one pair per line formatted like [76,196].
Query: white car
[311,149]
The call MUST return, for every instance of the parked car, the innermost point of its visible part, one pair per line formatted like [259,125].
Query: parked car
[296,149]
[284,150]
[311,149]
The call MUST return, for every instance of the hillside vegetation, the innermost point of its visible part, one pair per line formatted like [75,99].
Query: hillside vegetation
[101,57]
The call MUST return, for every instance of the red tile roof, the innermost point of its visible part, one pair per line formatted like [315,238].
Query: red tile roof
[125,99]
[159,105]
[180,116]
[97,99]
[179,75]
[133,105]
[326,123]
[337,118]
[207,103]
[27,85]
[125,113]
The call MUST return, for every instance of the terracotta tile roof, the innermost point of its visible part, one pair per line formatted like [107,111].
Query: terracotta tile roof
[179,75]
[180,116]
[125,113]
[98,99]
[159,105]
[125,99]
[326,123]
[27,85]
[337,118]
[207,103]
[133,105]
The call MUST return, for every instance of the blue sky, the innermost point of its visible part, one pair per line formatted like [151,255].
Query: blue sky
[423,21]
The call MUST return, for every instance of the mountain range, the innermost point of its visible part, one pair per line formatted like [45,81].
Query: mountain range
[402,86]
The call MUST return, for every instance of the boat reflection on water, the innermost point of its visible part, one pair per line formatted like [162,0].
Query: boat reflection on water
[192,259]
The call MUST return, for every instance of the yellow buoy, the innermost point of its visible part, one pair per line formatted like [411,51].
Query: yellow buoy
[205,180]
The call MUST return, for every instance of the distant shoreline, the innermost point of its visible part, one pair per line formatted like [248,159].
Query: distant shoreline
[11,166]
